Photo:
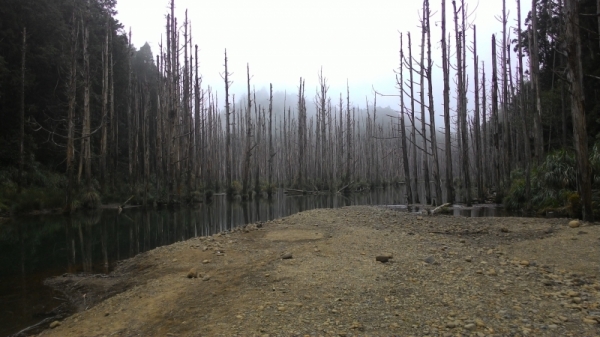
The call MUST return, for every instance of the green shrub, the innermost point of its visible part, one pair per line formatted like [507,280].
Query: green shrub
[235,188]
[90,200]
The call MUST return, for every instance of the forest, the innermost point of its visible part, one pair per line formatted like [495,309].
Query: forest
[88,118]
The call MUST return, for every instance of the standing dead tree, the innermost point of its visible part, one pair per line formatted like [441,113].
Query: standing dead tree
[462,108]
[432,128]
[575,79]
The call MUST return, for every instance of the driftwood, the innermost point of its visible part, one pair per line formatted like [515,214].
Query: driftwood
[343,188]
[126,201]
[37,325]
[439,208]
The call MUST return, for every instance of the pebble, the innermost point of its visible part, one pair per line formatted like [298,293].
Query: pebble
[430,260]
[286,256]
[57,323]
[574,223]
[193,273]
[206,261]
[451,325]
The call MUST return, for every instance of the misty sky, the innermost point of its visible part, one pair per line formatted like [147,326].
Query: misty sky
[283,40]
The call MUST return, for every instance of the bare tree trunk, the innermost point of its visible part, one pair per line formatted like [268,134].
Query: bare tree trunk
[129,114]
[535,86]
[114,120]
[462,111]
[72,94]
[22,113]
[412,117]
[505,108]
[197,137]
[146,137]
[447,127]
[433,131]
[348,137]
[422,98]
[486,147]
[301,135]
[523,111]
[400,82]
[477,140]
[86,157]
[575,78]
[271,150]
[103,120]
[495,115]
[227,128]
[249,147]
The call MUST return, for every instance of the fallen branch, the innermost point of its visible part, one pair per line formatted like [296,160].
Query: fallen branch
[343,188]
[439,209]
[36,325]
[126,201]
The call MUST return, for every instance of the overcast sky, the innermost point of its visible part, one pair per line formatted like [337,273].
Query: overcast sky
[282,40]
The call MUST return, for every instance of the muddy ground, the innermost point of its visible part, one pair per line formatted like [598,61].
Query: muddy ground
[315,273]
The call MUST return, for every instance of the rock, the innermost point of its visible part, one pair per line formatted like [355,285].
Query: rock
[480,322]
[57,323]
[572,293]
[419,218]
[193,273]
[590,321]
[206,278]
[206,261]
[492,272]
[468,259]
[451,325]
[280,308]
[286,256]
[382,258]
[470,326]
[430,260]
[574,223]
[524,263]
[504,230]
[576,300]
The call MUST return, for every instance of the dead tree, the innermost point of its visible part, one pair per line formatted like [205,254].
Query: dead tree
[249,147]
[400,83]
[447,127]
[104,113]
[22,113]
[575,79]
[494,120]
[523,111]
[412,120]
[85,163]
[432,128]
[462,109]
[477,140]
[72,96]
[422,70]
[227,129]
[535,85]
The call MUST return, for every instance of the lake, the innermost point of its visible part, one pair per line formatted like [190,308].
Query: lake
[33,248]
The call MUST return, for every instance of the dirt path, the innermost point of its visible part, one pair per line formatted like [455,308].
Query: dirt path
[448,276]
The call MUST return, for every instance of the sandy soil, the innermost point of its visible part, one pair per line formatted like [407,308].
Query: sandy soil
[447,276]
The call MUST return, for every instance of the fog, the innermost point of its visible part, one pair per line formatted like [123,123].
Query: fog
[354,42]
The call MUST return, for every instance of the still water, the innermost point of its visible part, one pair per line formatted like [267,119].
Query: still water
[36,247]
